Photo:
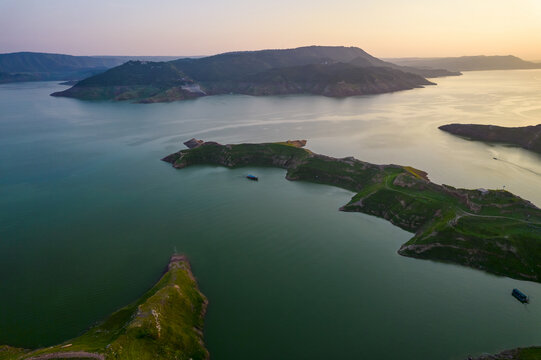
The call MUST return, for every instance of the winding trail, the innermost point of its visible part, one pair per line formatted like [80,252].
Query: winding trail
[466,213]
[459,211]
[68,355]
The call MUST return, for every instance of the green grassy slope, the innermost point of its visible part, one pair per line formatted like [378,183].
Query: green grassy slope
[495,231]
[165,323]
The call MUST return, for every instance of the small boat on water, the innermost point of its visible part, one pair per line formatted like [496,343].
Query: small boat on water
[252,177]
[520,296]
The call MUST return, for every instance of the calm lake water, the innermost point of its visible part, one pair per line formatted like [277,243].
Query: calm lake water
[89,217]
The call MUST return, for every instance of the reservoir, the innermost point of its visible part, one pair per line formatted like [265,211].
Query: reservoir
[89,216]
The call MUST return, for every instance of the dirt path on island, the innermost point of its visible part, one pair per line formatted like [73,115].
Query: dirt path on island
[68,355]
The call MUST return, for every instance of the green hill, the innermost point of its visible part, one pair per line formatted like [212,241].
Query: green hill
[330,71]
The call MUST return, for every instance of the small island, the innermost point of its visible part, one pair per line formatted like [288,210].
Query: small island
[527,137]
[165,323]
[490,230]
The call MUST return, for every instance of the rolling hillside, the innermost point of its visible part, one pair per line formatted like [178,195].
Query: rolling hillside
[329,71]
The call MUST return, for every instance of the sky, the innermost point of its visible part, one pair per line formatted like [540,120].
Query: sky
[384,28]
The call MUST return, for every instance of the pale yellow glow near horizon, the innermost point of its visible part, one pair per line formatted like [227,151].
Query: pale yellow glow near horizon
[384,28]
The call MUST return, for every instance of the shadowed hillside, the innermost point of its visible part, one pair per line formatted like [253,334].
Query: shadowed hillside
[329,71]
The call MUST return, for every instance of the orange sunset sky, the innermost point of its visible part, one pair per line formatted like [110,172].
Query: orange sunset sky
[385,28]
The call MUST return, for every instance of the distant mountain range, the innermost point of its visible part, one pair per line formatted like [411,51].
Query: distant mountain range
[468,63]
[31,66]
[323,70]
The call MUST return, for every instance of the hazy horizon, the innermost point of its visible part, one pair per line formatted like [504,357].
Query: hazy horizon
[203,55]
[388,29]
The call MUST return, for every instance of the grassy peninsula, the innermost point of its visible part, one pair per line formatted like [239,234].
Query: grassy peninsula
[165,323]
[491,230]
[334,71]
[527,137]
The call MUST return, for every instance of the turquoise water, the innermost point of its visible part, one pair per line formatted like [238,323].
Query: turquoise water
[89,217]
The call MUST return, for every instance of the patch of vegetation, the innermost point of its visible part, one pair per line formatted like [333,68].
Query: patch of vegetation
[8,352]
[165,323]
